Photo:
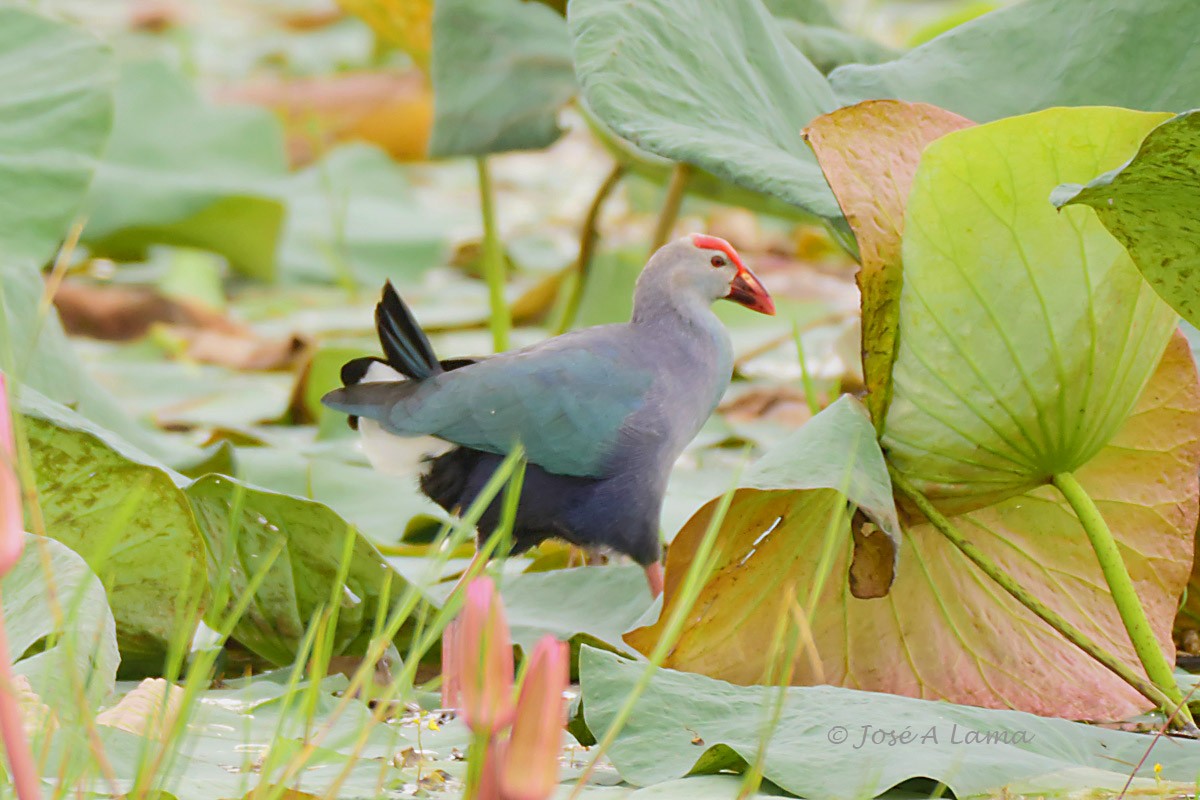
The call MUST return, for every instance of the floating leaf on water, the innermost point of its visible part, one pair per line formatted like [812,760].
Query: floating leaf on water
[842,743]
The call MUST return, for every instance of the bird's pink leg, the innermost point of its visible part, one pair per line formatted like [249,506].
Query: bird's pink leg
[654,577]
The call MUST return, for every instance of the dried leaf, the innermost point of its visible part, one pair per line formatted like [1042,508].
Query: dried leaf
[392,110]
[141,712]
[407,24]
[37,718]
[244,349]
[120,313]
[869,153]
[873,563]
[783,404]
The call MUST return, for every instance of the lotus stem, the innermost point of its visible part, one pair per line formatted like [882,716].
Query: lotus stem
[479,752]
[587,245]
[493,260]
[1068,631]
[681,174]
[1120,584]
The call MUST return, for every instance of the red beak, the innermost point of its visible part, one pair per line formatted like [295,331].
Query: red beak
[746,290]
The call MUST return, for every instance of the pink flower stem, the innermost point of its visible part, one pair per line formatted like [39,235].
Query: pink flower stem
[20,757]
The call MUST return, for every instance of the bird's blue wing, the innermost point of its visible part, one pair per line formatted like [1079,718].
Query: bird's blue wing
[569,402]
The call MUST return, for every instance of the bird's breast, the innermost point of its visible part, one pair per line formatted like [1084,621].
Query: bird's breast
[691,376]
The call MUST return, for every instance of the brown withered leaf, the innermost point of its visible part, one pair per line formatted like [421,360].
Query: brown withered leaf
[123,313]
[869,153]
[142,711]
[243,349]
[120,313]
[784,404]
[156,16]
[392,110]
[307,19]
[873,563]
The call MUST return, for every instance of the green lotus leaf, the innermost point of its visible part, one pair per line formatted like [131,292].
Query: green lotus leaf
[180,171]
[830,47]
[582,605]
[816,32]
[810,12]
[653,71]
[243,524]
[501,71]
[379,504]
[827,741]
[1043,53]
[55,115]
[945,630]
[162,545]
[353,219]
[130,520]
[1151,205]
[66,654]
[836,449]
[701,183]
[1026,334]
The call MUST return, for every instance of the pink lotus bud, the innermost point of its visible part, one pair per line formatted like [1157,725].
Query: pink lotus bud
[12,542]
[12,526]
[529,767]
[451,671]
[483,658]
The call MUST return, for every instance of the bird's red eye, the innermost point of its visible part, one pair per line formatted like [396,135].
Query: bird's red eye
[717,261]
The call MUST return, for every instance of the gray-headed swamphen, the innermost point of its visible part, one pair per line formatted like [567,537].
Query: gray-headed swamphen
[603,412]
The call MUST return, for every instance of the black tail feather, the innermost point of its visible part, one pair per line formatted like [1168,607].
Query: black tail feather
[405,346]
[354,370]
[404,343]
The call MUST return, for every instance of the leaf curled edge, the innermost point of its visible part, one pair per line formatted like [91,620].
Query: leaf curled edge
[869,153]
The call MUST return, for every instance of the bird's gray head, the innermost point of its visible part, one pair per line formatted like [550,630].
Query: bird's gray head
[700,267]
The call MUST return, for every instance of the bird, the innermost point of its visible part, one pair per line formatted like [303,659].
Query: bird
[602,412]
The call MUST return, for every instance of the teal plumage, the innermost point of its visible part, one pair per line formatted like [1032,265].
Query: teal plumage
[568,404]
